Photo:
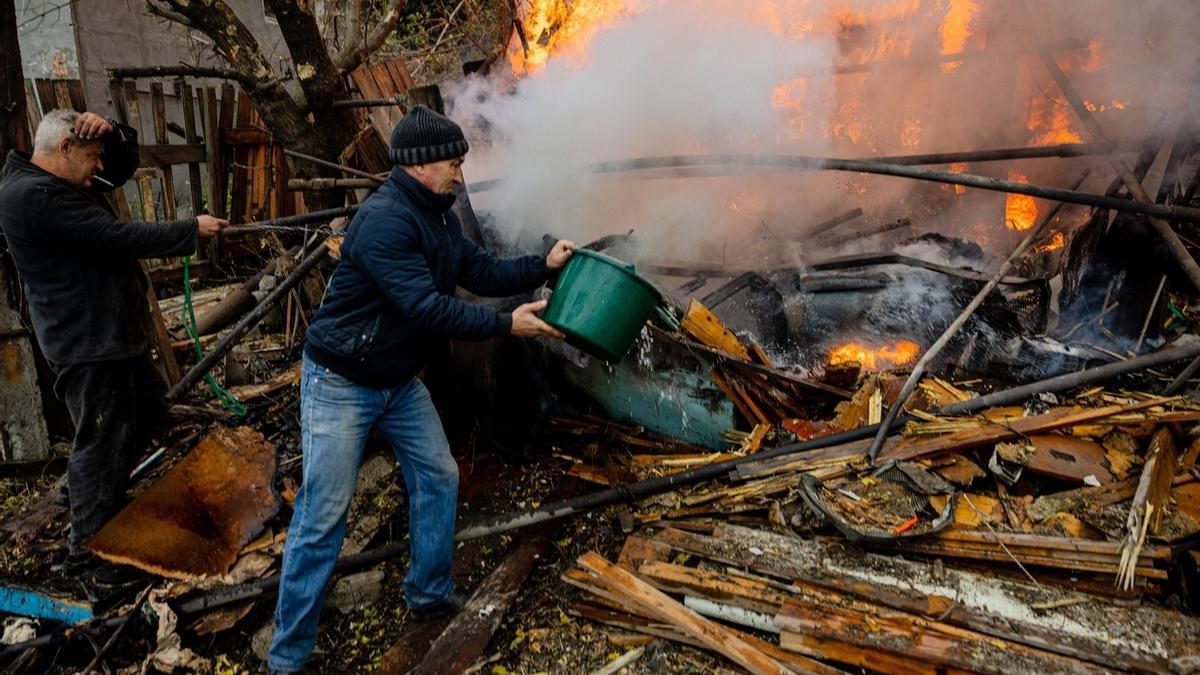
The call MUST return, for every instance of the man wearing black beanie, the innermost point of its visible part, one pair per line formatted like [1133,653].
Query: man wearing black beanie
[388,310]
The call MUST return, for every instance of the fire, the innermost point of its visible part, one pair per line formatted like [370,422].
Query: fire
[1050,122]
[891,354]
[563,28]
[1056,242]
[958,167]
[955,29]
[1020,211]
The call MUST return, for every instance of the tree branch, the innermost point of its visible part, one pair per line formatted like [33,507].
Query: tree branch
[354,53]
[319,78]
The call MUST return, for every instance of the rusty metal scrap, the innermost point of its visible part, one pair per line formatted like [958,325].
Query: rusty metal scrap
[196,518]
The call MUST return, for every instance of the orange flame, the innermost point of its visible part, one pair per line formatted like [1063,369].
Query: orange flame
[562,28]
[958,167]
[1020,211]
[956,27]
[891,354]
[1056,242]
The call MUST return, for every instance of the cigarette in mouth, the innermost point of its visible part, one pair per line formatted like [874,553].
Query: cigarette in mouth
[108,183]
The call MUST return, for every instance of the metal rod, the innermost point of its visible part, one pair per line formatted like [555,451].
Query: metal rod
[1162,227]
[1182,377]
[400,101]
[885,169]
[330,183]
[299,220]
[332,165]
[914,378]
[192,376]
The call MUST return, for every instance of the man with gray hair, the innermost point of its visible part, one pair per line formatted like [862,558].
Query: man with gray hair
[79,267]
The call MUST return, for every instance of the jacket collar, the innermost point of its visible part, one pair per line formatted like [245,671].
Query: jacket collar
[23,162]
[421,196]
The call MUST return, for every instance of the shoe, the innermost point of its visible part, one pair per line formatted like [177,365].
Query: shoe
[113,576]
[449,605]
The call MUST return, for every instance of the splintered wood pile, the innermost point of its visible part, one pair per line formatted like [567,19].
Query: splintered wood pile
[1013,540]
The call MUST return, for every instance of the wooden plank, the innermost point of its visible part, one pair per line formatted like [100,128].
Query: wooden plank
[714,636]
[155,155]
[1145,511]
[212,154]
[462,642]
[1068,458]
[184,92]
[1012,429]
[648,626]
[133,107]
[705,327]
[951,595]
[920,638]
[45,94]
[158,106]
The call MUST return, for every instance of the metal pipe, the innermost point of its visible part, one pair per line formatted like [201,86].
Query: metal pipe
[299,220]
[332,165]
[1188,214]
[330,183]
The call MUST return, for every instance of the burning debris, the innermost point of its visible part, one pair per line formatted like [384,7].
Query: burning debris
[860,423]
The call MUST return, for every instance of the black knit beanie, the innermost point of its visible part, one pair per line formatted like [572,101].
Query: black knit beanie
[422,137]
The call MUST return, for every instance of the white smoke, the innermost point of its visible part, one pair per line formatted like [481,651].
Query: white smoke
[680,77]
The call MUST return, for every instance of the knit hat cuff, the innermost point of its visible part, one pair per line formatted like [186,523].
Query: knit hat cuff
[427,154]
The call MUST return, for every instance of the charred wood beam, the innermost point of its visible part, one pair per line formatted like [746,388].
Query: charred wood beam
[1184,257]
[901,171]
[828,241]
[821,228]
[301,184]
[176,71]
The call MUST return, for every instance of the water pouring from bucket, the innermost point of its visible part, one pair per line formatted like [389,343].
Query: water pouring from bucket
[601,303]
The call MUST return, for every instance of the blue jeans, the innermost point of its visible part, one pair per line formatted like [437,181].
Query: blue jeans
[336,416]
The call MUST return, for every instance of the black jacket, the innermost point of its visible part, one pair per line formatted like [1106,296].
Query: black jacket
[79,264]
[390,306]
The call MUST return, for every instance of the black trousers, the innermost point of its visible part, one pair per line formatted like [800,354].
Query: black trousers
[116,407]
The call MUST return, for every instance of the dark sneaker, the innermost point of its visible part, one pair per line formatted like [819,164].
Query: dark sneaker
[112,576]
[450,605]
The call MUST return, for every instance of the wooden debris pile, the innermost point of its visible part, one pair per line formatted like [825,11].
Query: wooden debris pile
[1015,539]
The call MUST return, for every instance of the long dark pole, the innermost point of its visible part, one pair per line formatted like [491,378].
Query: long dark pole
[192,376]
[886,169]
[299,220]
[332,165]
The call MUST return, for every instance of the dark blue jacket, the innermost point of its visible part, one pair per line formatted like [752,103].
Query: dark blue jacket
[390,307]
[79,263]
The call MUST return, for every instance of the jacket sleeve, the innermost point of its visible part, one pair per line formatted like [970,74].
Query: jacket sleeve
[390,253]
[484,274]
[70,218]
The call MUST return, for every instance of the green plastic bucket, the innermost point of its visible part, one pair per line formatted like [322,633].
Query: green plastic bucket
[601,304]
